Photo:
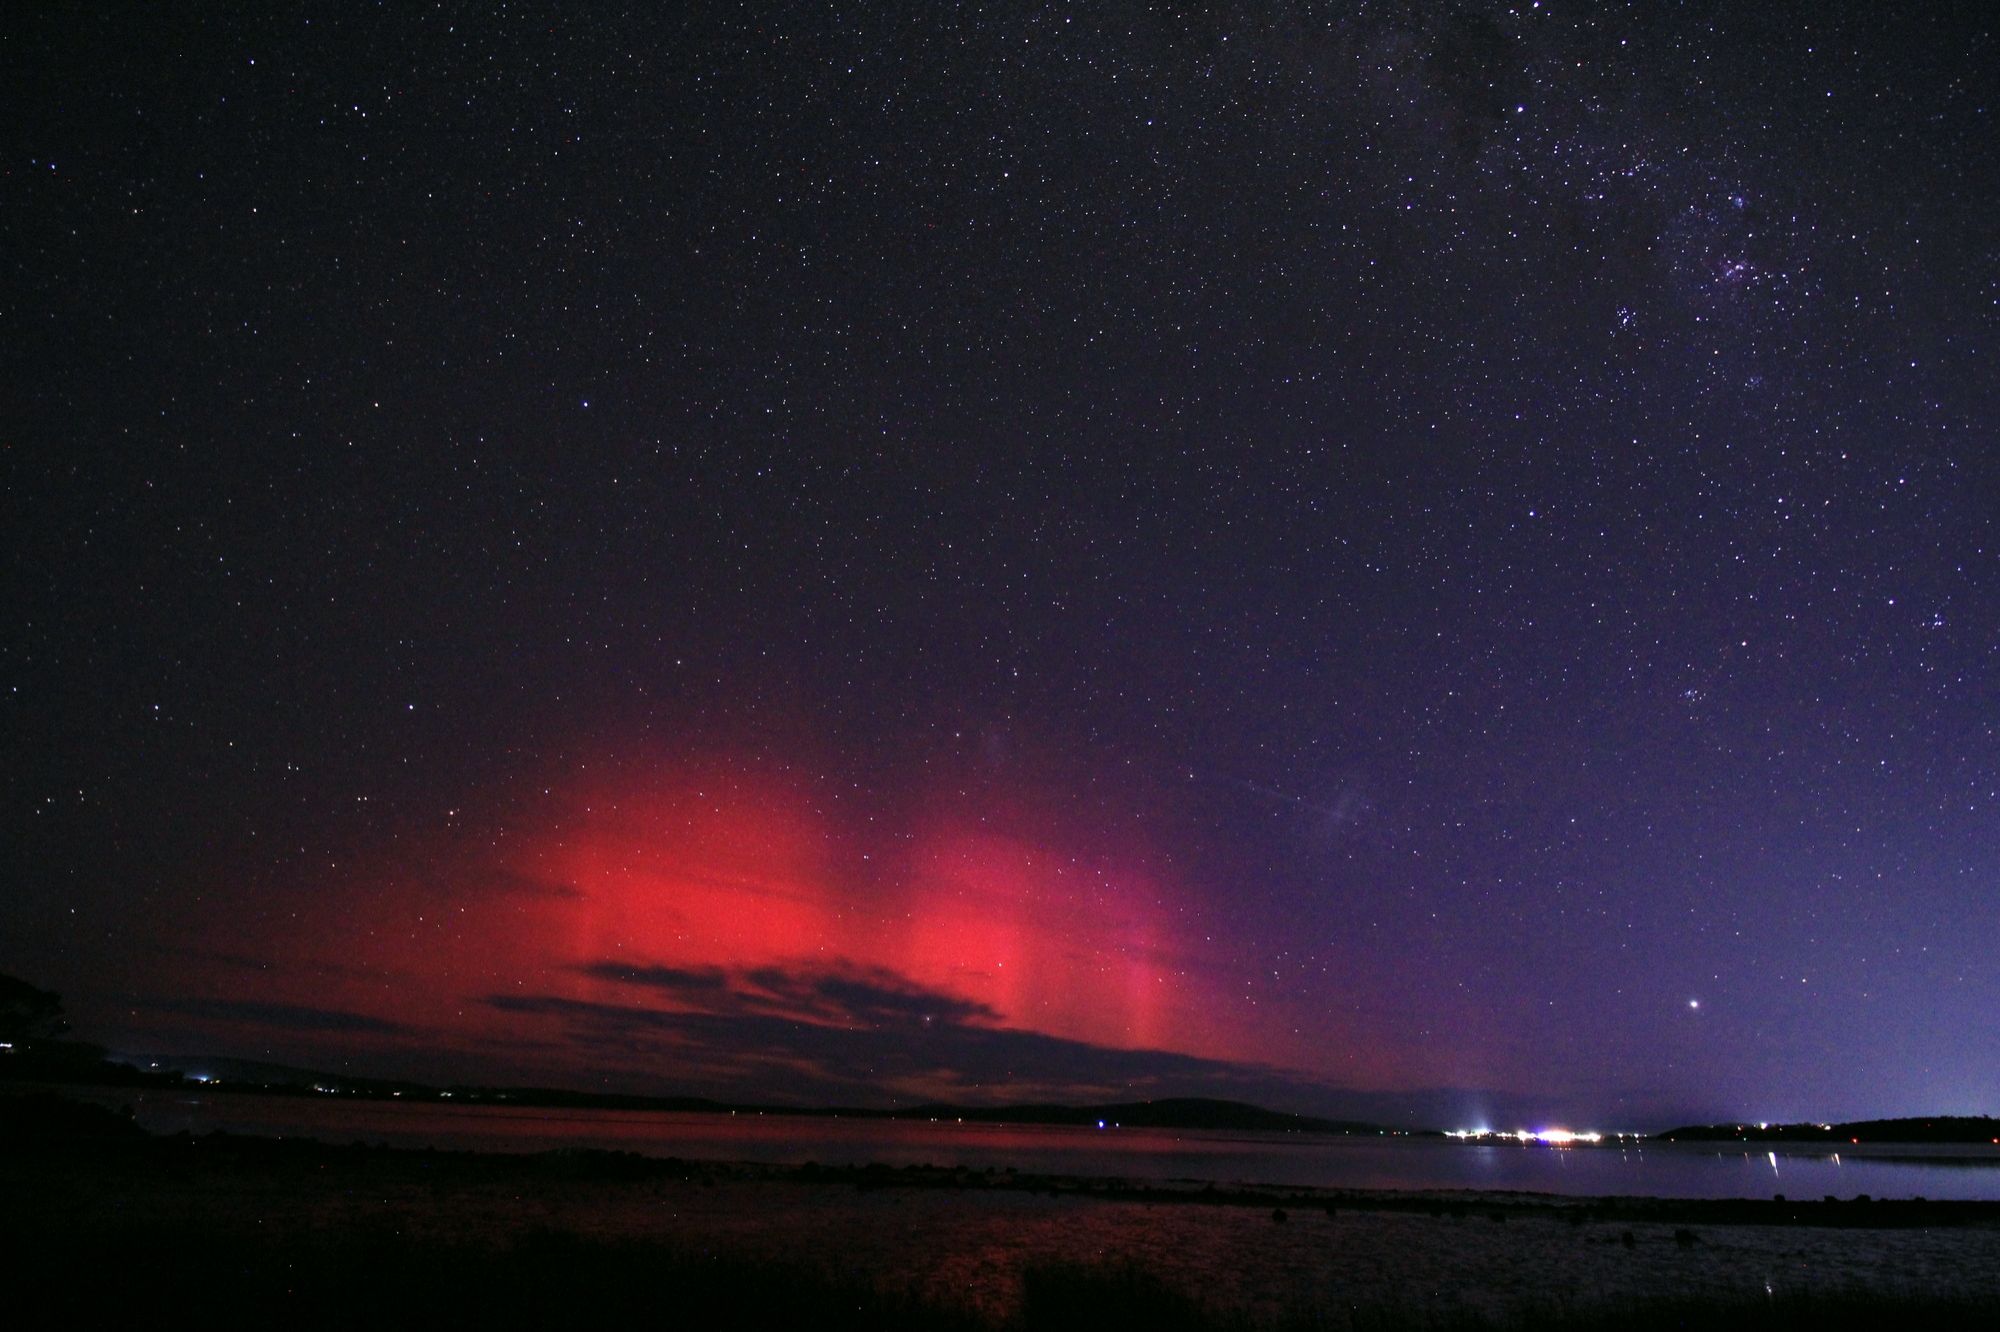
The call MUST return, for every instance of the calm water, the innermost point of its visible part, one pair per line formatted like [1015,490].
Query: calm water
[1657,1170]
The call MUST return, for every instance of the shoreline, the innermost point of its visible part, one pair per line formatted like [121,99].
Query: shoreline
[941,1246]
[229,1150]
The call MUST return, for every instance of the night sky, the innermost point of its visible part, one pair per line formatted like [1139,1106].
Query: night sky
[1426,561]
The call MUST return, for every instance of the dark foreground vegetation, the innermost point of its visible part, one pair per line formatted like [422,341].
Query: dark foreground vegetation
[555,1280]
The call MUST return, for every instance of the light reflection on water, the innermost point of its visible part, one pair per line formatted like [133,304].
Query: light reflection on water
[1673,1170]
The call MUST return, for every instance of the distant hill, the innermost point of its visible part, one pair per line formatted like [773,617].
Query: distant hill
[267,1076]
[1935,1128]
[1188,1112]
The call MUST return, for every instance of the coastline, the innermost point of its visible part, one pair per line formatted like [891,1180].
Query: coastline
[973,1243]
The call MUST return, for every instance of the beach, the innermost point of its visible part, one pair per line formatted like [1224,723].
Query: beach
[969,1242]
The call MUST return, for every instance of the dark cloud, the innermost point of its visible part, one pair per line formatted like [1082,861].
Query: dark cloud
[862,996]
[866,1035]
[844,995]
[673,980]
[862,1035]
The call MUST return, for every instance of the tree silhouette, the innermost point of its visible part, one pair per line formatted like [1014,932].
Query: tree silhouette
[29,1015]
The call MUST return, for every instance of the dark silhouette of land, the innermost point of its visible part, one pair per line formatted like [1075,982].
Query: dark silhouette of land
[259,1079]
[187,1225]
[1930,1128]
[35,1048]
[79,1063]
[92,1134]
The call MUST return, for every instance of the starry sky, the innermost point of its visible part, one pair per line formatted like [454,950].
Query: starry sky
[1425,561]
